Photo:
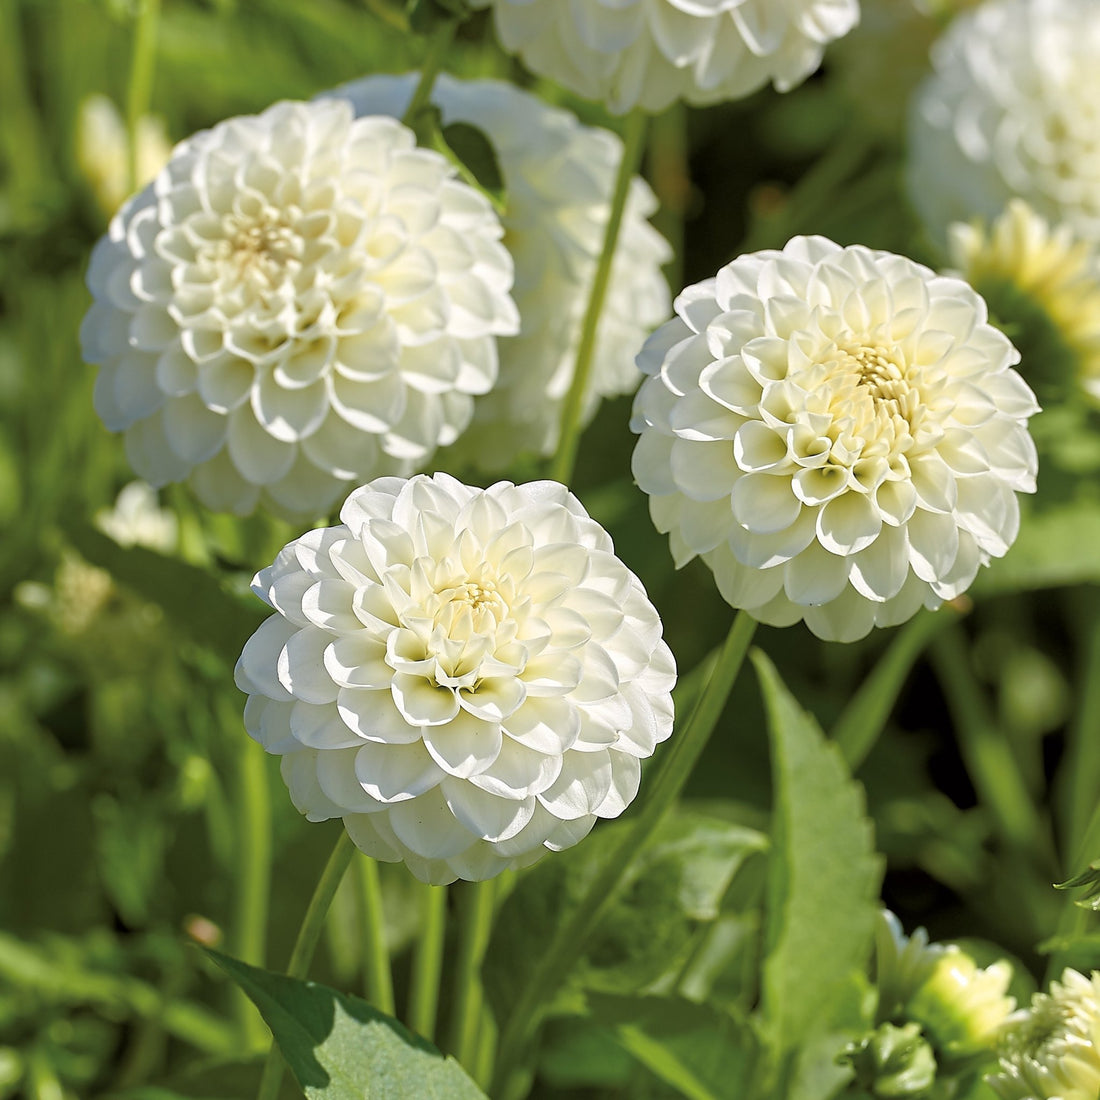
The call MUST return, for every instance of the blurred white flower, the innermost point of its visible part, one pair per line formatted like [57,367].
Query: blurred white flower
[103,150]
[138,520]
[1010,111]
[299,300]
[837,432]
[1052,1051]
[1044,281]
[468,677]
[559,176]
[961,1007]
[651,52]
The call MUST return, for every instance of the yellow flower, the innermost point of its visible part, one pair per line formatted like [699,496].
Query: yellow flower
[1044,283]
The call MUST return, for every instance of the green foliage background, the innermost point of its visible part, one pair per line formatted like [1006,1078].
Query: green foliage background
[125,790]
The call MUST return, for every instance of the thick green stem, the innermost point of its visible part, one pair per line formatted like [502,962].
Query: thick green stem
[565,948]
[140,92]
[253,878]
[561,469]
[438,45]
[306,944]
[862,720]
[988,756]
[475,907]
[1075,919]
[377,978]
[428,963]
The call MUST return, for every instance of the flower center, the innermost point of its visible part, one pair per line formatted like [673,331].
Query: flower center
[469,609]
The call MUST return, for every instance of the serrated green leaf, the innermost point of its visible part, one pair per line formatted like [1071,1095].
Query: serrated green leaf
[341,1048]
[676,884]
[196,603]
[823,877]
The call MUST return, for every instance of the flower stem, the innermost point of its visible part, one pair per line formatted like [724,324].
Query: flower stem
[561,468]
[993,768]
[428,963]
[140,91]
[858,727]
[565,948]
[438,45]
[1083,758]
[377,979]
[253,878]
[475,904]
[306,944]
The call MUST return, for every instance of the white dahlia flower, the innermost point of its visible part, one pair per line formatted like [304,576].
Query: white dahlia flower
[1010,111]
[1052,1051]
[468,677]
[651,52]
[559,176]
[837,432]
[300,299]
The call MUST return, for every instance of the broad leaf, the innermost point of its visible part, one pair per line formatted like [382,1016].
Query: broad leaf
[676,883]
[1056,546]
[196,603]
[823,878]
[340,1048]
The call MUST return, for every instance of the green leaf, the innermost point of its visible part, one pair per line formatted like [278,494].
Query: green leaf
[823,877]
[467,148]
[424,16]
[1056,546]
[341,1048]
[676,884]
[197,604]
[475,152]
[702,1052]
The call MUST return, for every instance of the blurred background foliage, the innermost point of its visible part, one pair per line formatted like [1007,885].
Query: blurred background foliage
[126,780]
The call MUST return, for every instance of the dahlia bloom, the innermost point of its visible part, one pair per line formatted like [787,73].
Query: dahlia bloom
[559,176]
[837,432]
[299,299]
[651,52]
[1044,282]
[468,677]
[1008,111]
[1052,1051]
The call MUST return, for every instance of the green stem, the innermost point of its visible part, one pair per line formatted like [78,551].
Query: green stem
[670,176]
[428,963]
[564,949]
[861,722]
[988,756]
[475,906]
[140,91]
[253,877]
[561,468]
[1082,766]
[438,45]
[377,979]
[306,944]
